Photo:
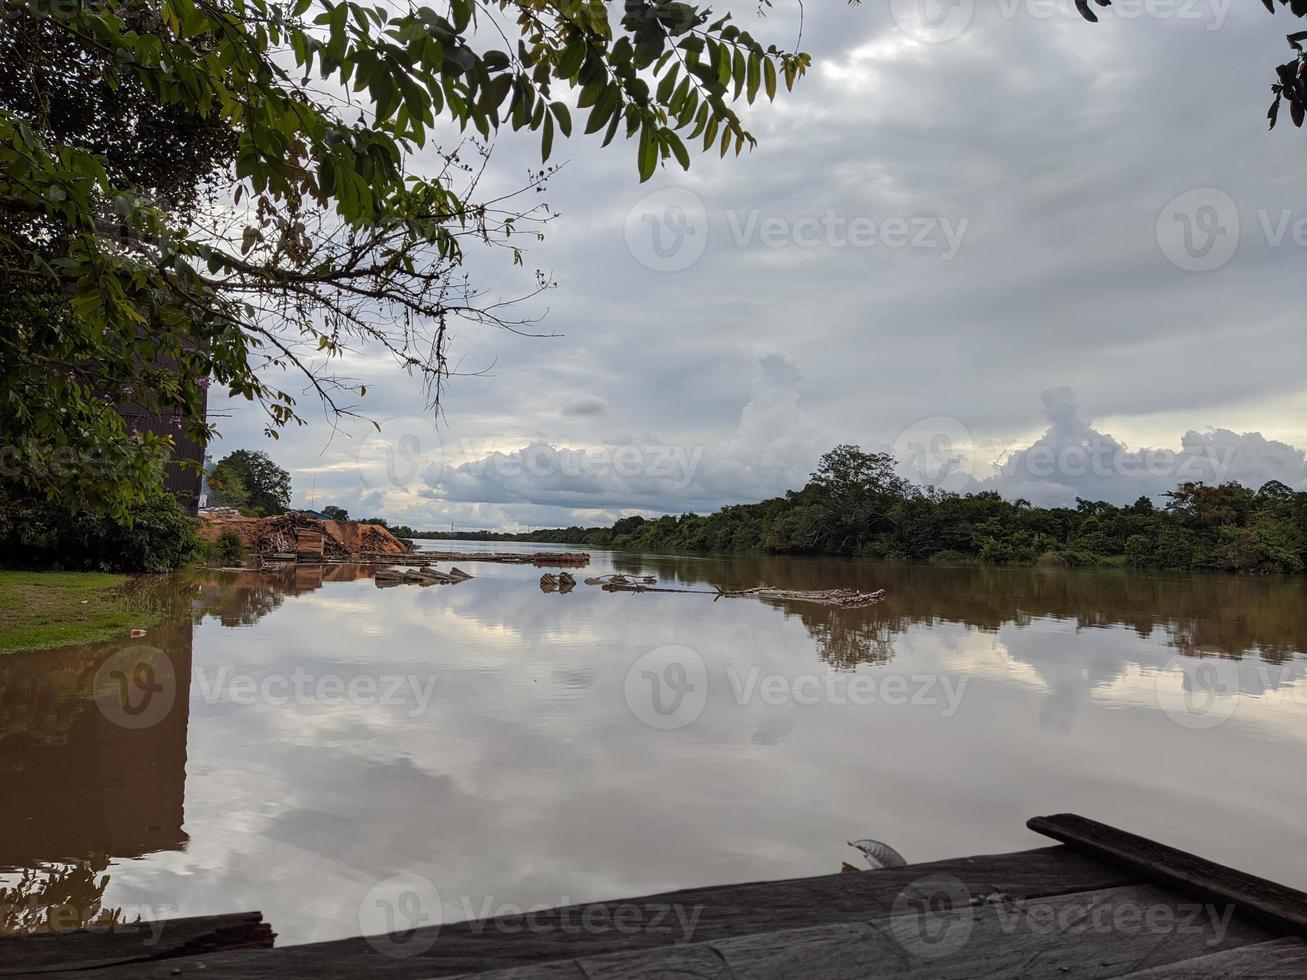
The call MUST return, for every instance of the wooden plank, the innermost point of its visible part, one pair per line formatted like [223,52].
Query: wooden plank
[658,921]
[1279,906]
[131,943]
[1281,959]
[1088,935]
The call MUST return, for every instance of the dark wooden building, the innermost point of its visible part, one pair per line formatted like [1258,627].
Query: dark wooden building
[184,474]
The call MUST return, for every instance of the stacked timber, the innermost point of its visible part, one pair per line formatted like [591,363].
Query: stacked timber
[308,544]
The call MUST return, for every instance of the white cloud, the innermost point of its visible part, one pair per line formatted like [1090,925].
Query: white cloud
[1060,276]
[772,450]
[1072,459]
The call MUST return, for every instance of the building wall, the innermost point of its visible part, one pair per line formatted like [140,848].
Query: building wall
[183,476]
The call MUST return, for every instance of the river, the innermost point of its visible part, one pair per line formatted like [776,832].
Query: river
[309,740]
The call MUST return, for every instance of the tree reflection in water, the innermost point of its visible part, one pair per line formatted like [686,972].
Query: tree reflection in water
[1203,614]
[58,898]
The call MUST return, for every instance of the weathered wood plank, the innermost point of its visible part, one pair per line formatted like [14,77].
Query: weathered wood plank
[132,943]
[1279,906]
[681,917]
[1090,935]
[1282,959]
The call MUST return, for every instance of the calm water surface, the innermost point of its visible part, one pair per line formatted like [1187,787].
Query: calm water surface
[310,735]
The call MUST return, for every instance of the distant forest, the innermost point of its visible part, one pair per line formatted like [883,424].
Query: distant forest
[855,504]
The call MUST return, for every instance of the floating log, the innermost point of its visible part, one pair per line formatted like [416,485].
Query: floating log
[844,598]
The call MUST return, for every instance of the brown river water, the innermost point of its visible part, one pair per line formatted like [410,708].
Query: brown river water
[305,742]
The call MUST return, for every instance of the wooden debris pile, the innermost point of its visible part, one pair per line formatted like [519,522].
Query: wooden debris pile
[562,582]
[844,598]
[620,580]
[362,539]
[295,536]
[422,575]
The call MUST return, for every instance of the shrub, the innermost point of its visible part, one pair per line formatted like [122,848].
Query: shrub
[37,534]
[950,557]
[227,550]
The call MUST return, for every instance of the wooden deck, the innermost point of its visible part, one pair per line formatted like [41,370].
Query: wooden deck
[1103,903]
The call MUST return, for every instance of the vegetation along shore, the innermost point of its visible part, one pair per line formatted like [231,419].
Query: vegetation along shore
[855,504]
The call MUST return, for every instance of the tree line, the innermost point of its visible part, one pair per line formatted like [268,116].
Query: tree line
[855,504]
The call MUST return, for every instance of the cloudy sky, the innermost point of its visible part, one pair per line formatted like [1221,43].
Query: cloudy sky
[1022,251]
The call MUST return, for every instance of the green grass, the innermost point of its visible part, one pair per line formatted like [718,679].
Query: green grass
[42,610]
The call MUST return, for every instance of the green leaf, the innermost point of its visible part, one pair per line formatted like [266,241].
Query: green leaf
[667,85]
[678,149]
[648,153]
[563,116]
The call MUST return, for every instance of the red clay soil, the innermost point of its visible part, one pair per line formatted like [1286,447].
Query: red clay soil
[341,539]
[359,538]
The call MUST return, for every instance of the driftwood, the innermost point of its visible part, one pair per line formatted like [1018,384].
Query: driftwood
[843,598]
[622,580]
[424,575]
[846,598]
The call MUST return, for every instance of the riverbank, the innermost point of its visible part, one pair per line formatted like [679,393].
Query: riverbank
[43,610]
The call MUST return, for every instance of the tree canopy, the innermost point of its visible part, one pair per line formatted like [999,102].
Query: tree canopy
[240,191]
[343,145]
[251,482]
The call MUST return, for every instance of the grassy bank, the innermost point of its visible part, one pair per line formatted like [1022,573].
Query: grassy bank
[40,610]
